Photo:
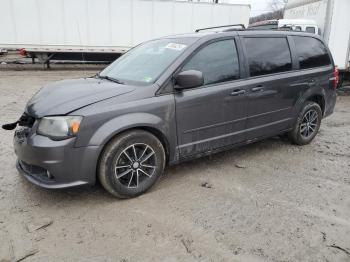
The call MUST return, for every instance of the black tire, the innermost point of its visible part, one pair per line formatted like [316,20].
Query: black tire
[118,158]
[298,135]
[283,136]
[340,81]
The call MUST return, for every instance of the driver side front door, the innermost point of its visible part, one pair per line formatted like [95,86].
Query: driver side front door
[213,115]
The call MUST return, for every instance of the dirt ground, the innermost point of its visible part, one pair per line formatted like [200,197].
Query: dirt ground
[269,201]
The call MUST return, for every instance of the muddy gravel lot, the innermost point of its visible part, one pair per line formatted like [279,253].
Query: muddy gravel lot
[268,201]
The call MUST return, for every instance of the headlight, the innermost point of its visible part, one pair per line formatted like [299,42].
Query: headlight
[59,127]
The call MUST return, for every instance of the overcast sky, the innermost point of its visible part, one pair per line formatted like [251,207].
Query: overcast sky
[259,6]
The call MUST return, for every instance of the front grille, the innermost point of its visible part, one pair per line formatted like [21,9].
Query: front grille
[26,120]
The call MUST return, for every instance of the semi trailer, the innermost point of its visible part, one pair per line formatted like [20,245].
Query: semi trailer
[104,29]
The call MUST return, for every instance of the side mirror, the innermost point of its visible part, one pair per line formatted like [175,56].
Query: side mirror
[189,79]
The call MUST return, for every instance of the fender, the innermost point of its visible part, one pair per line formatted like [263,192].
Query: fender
[124,122]
[311,92]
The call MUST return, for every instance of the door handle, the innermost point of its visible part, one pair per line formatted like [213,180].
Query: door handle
[257,89]
[237,92]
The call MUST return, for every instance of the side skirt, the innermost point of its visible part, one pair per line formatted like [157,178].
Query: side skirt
[225,148]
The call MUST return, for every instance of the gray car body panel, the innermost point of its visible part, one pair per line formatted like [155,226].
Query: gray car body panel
[69,165]
[62,97]
[189,123]
[111,117]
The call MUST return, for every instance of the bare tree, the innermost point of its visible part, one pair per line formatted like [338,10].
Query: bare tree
[277,9]
[277,4]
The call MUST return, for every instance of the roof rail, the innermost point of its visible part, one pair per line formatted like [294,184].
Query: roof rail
[223,26]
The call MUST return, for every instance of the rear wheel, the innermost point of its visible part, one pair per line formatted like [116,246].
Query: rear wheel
[307,125]
[341,80]
[131,163]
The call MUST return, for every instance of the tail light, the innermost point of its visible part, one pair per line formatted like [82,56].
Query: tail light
[336,77]
[23,52]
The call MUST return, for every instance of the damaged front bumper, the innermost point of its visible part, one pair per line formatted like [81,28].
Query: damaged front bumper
[54,164]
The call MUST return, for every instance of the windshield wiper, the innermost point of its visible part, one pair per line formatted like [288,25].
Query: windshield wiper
[115,80]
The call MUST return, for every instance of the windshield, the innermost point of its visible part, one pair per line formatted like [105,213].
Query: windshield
[143,64]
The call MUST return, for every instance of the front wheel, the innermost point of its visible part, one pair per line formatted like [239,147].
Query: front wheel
[307,125]
[131,163]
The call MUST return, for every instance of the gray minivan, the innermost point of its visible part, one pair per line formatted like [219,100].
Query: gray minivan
[172,99]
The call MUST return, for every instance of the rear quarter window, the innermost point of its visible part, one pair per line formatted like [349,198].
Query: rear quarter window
[311,52]
[268,55]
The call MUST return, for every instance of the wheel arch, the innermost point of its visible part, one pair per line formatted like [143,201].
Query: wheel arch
[154,131]
[150,129]
[159,135]
[318,99]
[125,123]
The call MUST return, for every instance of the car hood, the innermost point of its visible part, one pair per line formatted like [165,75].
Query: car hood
[65,96]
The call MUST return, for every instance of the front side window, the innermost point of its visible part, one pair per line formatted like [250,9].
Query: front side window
[311,52]
[268,55]
[143,64]
[217,61]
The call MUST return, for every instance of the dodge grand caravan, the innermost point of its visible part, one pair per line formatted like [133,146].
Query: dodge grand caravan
[172,99]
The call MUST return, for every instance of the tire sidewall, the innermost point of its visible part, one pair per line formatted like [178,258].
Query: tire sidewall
[295,135]
[110,156]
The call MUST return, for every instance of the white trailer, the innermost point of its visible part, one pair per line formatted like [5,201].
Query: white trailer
[333,20]
[47,27]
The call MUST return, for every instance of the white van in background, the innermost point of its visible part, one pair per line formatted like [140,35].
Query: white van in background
[303,25]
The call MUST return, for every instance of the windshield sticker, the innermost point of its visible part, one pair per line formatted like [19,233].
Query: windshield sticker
[147,79]
[174,46]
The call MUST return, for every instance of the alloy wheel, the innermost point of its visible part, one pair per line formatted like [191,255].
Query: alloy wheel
[135,164]
[308,124]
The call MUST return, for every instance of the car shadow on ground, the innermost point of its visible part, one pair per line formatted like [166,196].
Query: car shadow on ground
[243,151]
[172,174]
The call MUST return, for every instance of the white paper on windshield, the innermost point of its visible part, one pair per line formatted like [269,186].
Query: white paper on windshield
[174,46]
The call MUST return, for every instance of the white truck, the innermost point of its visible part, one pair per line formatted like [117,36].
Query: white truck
[80,29]
[333,20]
[303,25]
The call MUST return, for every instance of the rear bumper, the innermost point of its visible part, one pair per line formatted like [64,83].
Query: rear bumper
[55,164]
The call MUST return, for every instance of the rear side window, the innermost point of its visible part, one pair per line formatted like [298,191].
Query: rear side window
[217,61]
[311,52]
[268,55]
